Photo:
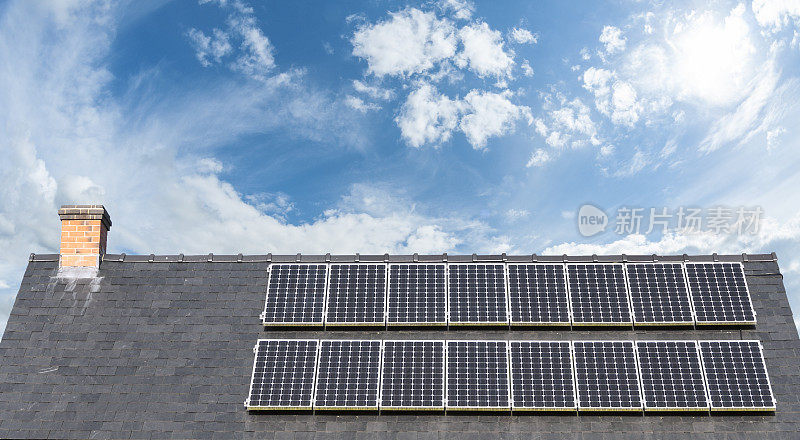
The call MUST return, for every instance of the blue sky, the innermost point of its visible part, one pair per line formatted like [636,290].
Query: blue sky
[401,127]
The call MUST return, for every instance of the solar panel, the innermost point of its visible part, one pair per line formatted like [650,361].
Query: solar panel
[598,295]
[283,375]
[477,375]
[356,294]
[477,294]
[719,293]
[541,375]
[348,375]
[672,376]
[736,375]
[295,294]
[413,375]
[659,294]
[606,376]
[538,294]
[417,294]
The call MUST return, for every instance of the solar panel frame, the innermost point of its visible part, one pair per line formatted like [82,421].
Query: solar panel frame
[696,297]
[713,407]
[584,408]
[633,304]
[443,400]
[505,356]
[443,322]
[324,407]
[571,367]
[345,323]
[504,302]
[283,323]
[575,319]
[312,395]
[702,379]
[510,307]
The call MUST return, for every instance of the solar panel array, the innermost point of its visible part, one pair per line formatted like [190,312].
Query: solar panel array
[719,293]
[347,375]
[736,375]
[606,376]
[672,376]
[598,295]
[515,375]
[477,375]
[587,294]
[417,294]
[538,294]
[413,375]
[659,294]
[477,294]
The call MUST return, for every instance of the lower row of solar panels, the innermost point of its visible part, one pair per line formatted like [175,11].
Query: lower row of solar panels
[508,293]
[510,375]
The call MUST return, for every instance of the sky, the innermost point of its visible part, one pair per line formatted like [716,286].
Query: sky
[232,126]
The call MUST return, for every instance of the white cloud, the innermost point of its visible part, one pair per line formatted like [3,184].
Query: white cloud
[427,117]
[483,51]
[522,36]
[374,92]
[410,41]
[538,158]
[488,114]
[358,104]
[214,47]
[461,9]
[516,214]
[774,137]
[613,98]
[613,40]
[255,53]
[566,122]
[527,70]
[776,14]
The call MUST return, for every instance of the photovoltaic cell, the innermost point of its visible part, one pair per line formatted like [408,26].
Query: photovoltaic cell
[606,375]
[719,293]
[295,294]
[659,294]
[413,375]
[283,374]
[477,294]
[348,375]
[736,375]
[538,294]
[356,294]
[672,376]
[598,294]
[417,294]
[541,375]
[477,375]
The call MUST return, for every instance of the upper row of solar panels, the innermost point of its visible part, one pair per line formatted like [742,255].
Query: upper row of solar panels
[711,293]
[518,375]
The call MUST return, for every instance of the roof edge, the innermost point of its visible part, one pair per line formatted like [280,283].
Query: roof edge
[220,258]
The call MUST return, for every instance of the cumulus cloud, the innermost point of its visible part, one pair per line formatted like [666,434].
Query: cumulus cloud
[358,104]
[776,14]
[566,122]
[484,52]
[410,41]
[527,70]
[488,114]
[612,39]
[461,9]
[374,92]
[211,48]
[427,117]
[523,36]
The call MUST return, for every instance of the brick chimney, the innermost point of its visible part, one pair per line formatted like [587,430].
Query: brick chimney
[84,230]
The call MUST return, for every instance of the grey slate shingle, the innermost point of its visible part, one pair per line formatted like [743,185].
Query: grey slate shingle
[164,350]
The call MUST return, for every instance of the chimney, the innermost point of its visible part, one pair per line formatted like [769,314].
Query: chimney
[84,230]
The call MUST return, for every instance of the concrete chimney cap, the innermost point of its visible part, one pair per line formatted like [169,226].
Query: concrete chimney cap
[85,212]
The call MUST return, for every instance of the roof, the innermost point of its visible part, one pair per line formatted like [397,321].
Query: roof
[162,347]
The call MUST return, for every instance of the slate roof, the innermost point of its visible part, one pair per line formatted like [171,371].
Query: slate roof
[161,347]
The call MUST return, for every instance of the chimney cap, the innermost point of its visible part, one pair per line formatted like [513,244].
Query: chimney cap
[85,212]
